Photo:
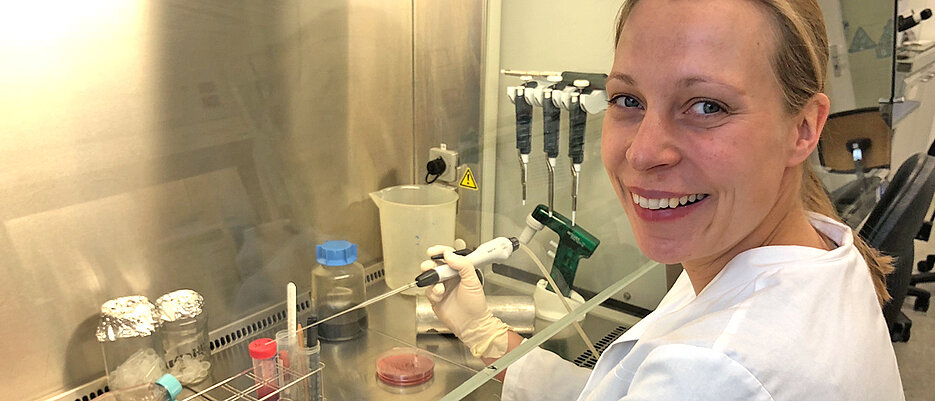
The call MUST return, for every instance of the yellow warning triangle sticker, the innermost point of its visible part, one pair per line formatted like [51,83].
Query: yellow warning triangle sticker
[468,181]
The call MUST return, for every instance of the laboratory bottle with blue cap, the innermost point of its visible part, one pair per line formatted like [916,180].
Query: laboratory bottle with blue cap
[337,285]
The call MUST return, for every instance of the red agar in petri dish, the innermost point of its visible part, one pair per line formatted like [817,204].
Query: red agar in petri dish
[405,367]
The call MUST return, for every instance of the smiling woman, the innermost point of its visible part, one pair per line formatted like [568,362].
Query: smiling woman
[711,120]
[735,93]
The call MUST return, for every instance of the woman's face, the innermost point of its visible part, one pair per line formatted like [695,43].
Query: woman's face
[696,113]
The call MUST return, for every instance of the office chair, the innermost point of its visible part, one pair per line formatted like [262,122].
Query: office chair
[855,141]
[924,266]
[891,228]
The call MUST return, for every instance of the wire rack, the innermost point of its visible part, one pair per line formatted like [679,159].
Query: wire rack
[245,386]
[229,353]
[231,340]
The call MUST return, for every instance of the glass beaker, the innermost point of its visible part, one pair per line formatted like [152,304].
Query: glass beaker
[413,218]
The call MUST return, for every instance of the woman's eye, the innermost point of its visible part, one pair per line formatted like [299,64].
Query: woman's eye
[626,101]
[706,107]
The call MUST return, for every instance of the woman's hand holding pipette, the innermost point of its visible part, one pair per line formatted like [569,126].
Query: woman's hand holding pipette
[462,306]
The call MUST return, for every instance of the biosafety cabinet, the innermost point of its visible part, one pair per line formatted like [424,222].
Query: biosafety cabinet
[151,146]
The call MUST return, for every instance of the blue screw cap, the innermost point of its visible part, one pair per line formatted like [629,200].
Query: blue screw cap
[171,384]
[336,253]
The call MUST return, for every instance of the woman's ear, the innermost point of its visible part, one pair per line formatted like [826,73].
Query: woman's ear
[811,120]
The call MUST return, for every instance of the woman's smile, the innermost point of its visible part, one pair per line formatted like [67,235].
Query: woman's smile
[657,206]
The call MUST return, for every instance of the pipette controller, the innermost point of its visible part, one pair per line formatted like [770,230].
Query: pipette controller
[495,250]
[574,244]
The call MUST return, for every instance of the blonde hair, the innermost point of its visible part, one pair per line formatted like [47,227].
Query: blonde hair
[799,63]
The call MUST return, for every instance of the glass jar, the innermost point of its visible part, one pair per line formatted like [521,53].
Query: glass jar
[337,285]
[127,333]
[184,334]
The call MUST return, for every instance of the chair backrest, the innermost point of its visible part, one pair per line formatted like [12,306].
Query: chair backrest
[894,222]
[850,125]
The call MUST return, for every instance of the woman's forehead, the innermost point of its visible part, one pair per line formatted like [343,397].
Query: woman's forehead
[725,41]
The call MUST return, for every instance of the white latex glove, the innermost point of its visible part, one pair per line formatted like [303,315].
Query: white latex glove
[462,306]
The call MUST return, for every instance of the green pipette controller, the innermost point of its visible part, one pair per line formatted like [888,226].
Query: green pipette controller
[574,244]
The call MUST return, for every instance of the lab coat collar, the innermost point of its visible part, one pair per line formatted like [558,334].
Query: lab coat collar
[744,268]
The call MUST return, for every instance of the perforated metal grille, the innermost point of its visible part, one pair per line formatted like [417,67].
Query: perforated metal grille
[94,394]
[88,391]
[231,334]
[587,360]
[373,277]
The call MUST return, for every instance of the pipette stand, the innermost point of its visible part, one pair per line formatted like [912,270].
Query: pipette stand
[549,307]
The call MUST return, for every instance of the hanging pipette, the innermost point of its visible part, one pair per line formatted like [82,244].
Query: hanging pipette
[495,250]
[577,119]
[551,124]
[523,129]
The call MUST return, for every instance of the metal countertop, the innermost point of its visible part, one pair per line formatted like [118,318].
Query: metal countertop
[350,372]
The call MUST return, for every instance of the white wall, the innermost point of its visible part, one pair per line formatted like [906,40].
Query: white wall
[565,36]
[925,30]
[840,86]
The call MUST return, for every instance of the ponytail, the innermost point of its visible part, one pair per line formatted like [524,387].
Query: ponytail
[816,199]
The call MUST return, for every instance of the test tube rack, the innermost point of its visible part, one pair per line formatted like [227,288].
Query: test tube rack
[244,386]
[229,349]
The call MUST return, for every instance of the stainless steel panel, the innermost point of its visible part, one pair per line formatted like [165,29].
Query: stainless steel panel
[147,146]
[447,68]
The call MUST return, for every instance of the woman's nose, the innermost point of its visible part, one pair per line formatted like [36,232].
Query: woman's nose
[653,146]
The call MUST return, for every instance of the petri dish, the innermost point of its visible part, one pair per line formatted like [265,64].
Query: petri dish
[404,367]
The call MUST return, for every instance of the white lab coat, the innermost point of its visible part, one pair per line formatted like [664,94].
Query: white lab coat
[778,323]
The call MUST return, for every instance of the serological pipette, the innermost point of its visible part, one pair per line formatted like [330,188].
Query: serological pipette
[366,303]
[495,250]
